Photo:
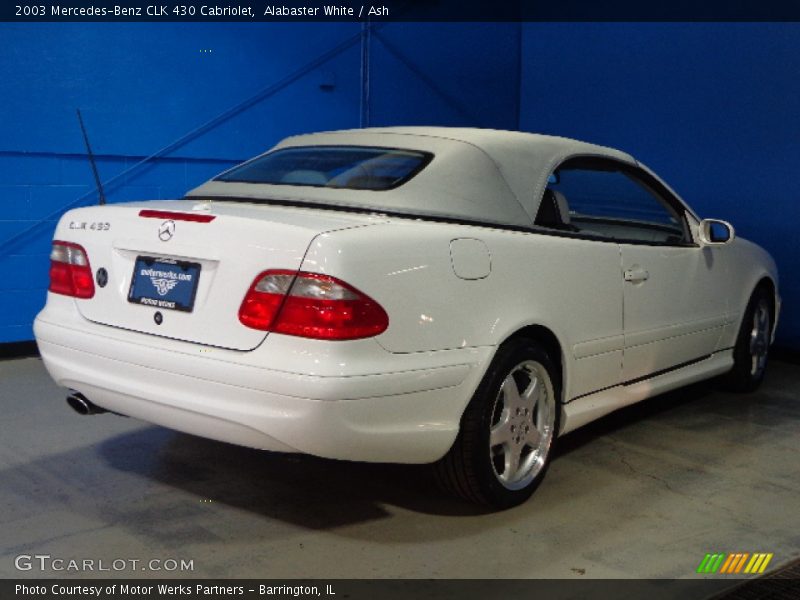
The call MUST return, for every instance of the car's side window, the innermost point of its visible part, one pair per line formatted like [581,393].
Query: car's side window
[611,200]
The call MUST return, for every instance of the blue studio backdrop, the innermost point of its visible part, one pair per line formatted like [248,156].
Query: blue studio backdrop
[710,107]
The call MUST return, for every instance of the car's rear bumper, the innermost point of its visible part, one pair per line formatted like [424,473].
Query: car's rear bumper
[407,410]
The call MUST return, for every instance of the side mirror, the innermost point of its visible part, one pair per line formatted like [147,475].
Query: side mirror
[714,232]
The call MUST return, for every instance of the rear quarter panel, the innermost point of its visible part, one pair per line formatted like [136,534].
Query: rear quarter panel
[573,287]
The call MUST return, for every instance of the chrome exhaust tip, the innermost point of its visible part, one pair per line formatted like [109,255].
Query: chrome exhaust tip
[81,405]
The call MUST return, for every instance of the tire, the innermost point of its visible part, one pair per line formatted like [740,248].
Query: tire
[507,431]
[752,345]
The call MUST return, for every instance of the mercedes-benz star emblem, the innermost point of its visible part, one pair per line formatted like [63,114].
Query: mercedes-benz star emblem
[166,231]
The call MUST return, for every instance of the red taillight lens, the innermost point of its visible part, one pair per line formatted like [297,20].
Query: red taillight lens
[311,305]
[264,299]
[70,272]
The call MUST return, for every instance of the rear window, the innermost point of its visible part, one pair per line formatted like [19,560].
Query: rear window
[348,167]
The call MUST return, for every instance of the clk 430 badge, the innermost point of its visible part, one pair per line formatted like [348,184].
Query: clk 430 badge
[90,226]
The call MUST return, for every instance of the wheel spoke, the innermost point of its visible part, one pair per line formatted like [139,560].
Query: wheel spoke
[511,398]
[512,457]
[501,433]
[763,318]
[530,397]
[531,393]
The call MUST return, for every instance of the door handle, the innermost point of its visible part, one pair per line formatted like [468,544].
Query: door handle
[636,275]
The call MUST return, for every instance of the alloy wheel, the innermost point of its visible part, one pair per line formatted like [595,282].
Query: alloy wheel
[522,425]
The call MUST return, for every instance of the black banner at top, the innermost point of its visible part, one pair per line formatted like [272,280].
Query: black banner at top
[377,11]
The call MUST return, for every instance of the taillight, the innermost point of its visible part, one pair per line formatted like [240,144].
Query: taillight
[311,305]
[70,273]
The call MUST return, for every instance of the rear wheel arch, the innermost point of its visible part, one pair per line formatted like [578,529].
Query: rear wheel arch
[506,437]
[549,342]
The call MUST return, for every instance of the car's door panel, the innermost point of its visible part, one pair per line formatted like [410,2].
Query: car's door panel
[677,313]
[674,300]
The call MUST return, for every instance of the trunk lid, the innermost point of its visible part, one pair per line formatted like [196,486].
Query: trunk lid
[195,272]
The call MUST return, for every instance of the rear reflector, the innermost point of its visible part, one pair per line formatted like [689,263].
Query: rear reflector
[70,272]
[311,305]
[176,216]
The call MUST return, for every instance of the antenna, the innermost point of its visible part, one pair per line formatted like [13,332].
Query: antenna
[101,196]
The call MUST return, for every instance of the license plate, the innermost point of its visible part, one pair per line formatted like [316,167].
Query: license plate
[164,283]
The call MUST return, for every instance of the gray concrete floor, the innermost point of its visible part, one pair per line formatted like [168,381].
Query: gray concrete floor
[642,493]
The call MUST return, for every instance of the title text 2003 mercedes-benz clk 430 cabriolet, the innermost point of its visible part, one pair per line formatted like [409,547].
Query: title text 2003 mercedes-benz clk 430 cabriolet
[415,295]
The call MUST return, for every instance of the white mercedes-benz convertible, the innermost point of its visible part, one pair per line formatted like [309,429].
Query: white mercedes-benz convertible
[415,295]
